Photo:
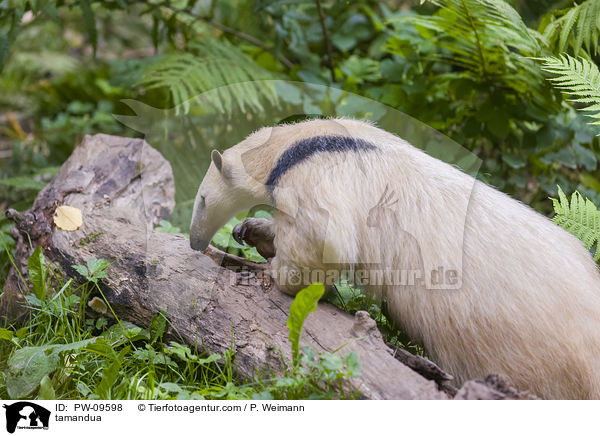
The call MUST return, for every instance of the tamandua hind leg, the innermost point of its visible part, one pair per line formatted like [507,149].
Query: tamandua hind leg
[256,232]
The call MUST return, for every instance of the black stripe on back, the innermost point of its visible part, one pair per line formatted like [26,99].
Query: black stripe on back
[305,148]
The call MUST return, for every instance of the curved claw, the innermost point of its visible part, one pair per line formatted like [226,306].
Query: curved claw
[239,232]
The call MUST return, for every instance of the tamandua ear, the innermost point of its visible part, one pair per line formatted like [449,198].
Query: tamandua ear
[219,162]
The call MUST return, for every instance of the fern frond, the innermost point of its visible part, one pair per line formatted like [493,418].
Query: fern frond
[578,26]
[487,38]
[210,65]
[578,77]
[579,217]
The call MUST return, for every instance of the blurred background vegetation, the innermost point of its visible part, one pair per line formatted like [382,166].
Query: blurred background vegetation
[516,83]
[472,69]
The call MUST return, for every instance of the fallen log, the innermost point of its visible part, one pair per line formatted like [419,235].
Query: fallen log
[215,301]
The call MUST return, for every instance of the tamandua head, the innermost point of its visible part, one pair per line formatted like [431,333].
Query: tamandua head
[225,191]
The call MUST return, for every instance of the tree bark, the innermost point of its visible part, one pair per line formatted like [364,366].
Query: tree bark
[124,188]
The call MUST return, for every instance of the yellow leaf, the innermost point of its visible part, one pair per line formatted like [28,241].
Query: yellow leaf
[68,218]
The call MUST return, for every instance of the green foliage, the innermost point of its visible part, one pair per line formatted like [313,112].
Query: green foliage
[578,77]
[577,27]
[325,370]
[61,355]
[209,65]
[351,298]
[464,67]
[486,38]
[46,391]
[304,303]
[166,227]
[158,326]
[468,70]
[580,217]
[110,374]
[29,365]
[94,270]
[7,246]
[313,375]
[38,272]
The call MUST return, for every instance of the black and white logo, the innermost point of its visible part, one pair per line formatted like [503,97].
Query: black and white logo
[26,415]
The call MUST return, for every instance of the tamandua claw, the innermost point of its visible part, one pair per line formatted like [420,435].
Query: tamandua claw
[256,232]
[238,233]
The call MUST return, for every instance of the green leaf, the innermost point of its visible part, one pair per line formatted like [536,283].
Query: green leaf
[578,25]
[353,365]
[158,326]
[355,106]
[288,92]
[101,347]
[213,358]
[171,387]
[251,253]
[565,156]
[81,269]
[110,375]
[331,362]
[223,238]
[343,42]
[585,157]
[166,227]
[83,389]
[305,302]
[116,336]
[38,272]
[28,366]
[153,357]
[580,217]
[6,334]
[181,351]
[46,391]
[578,77]
[514,161]
[96,266]
[22,332]
[96,269]
[360,69]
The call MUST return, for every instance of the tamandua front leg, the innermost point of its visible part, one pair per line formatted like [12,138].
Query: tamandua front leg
[260,233]
[256,232]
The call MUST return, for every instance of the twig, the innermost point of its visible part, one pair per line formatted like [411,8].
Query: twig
[425,367]
[227,260]
[326,39]
[13,215]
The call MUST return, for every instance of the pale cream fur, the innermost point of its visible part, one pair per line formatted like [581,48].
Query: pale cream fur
[529,305]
